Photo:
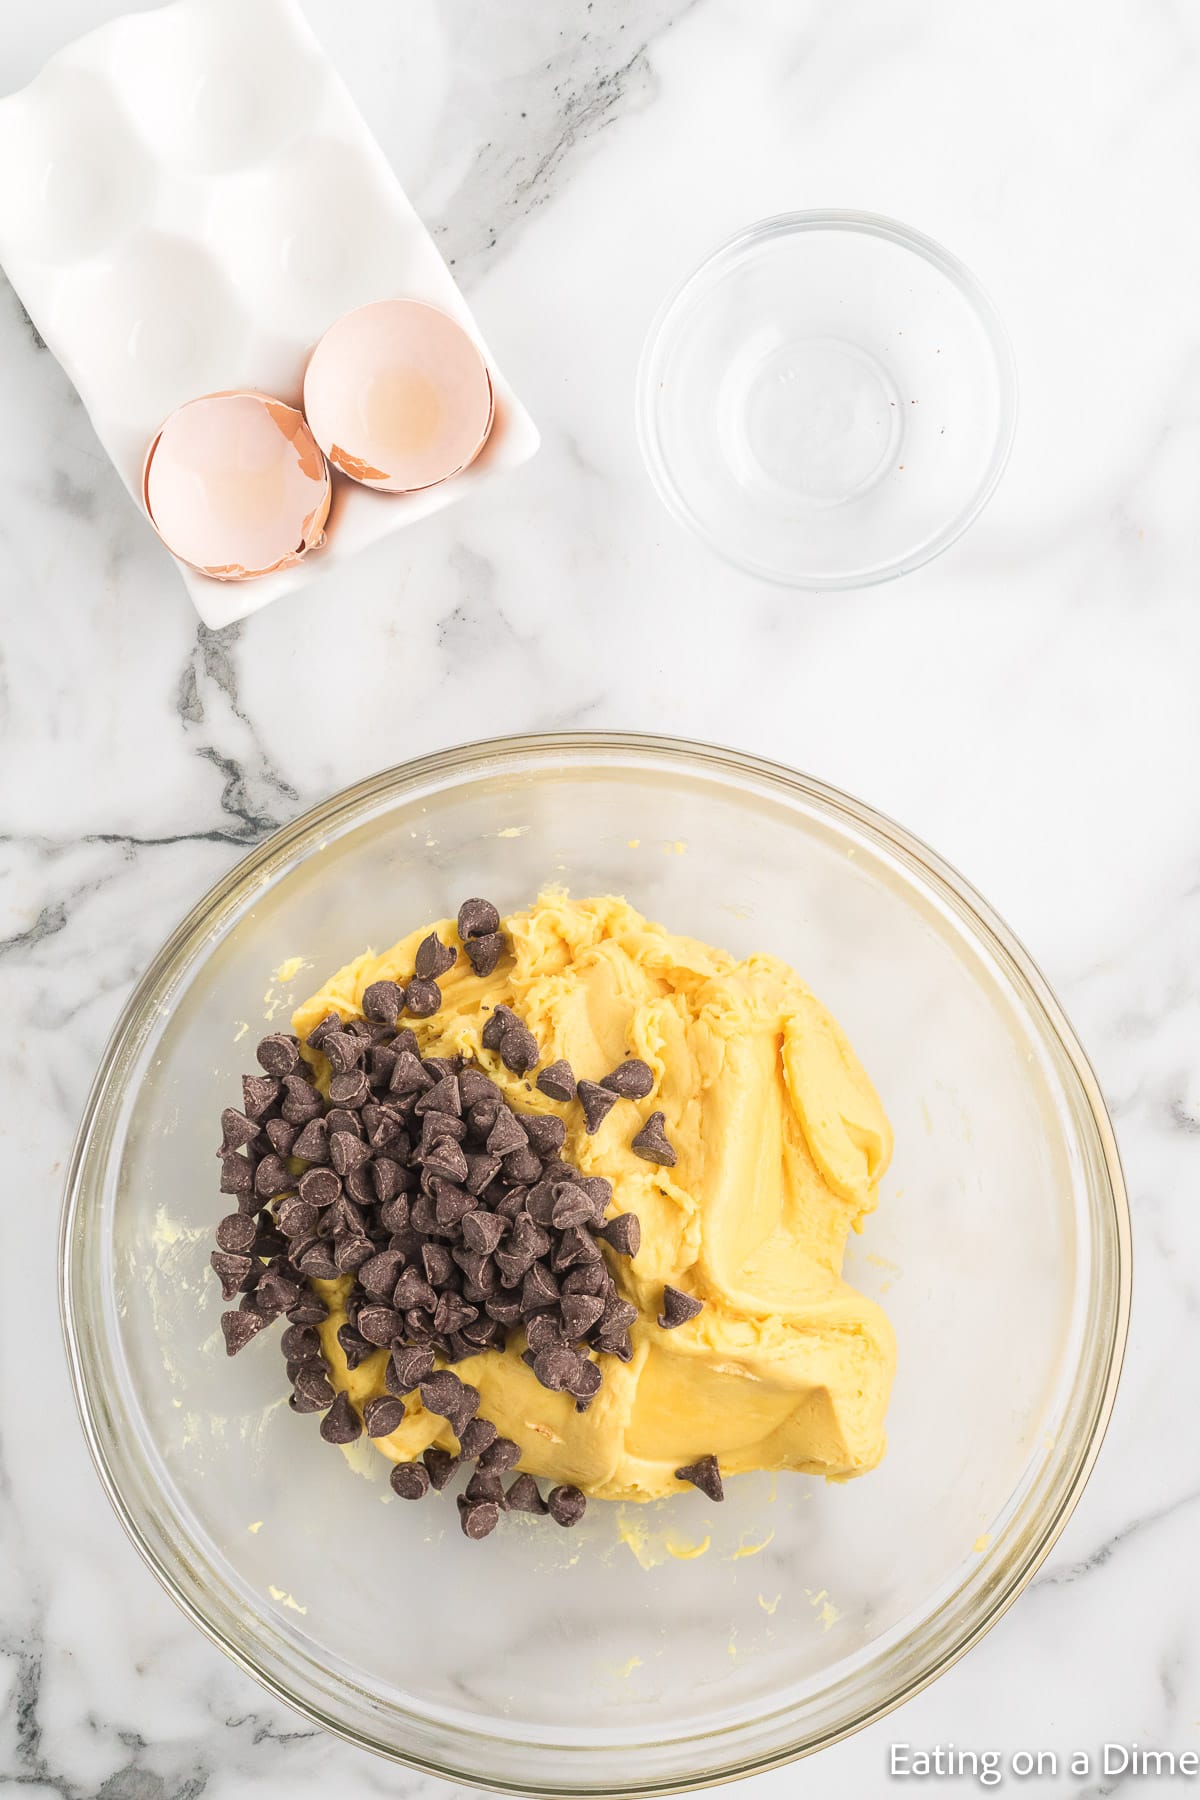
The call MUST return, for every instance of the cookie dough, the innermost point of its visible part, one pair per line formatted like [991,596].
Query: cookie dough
[781,1144]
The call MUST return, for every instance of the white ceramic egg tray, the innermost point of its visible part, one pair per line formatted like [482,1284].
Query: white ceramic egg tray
[190,198]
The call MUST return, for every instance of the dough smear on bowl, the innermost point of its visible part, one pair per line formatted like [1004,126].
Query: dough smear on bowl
[781,1143]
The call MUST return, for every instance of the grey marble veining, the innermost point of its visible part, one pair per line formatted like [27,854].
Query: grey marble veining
[1027,704]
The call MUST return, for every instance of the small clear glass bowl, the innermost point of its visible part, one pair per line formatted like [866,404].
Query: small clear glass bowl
[602,1661]
[828,401]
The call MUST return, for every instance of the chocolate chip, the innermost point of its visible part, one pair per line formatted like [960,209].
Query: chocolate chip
[282,1135]
[481,1231]
[571,1206]
[410,1075]
[434,958]
[503,1309]
[503,1019]
[566,1504]
[300,1343]
[351,1252]
[438,1265]
[301,1100]
[623,1234]
[354,1346]
[272,1176]
[380,1275]
[236,1130]
[347,1152]
[651,1142]
[522,1166]
[479,1435]
[590,1278]
[546,1133]
[382,1002]
[341,1424]
[313,1387]
[410,1480]
[452,1207]
[597,1102]
[517,1258]
[538,1289]
[237,1232]
[616,1342]
[519,1050]
[296,1217]
[319,1187]
[474,1085]
[575,1246]
[405,1368]
[585,1384]
[485,1484]
[237,1176]
[678,1308]
[380,1324]
[318,1261]
[276,1292]
[580,1312]
[555,1368]
[299,1404]
[438,1125]
[278,1054]
[423,998]
[346,1214]
[630,1080]
[446,1159]
[441,1466]
[507,1203]
[558,1081]
[441,1393]
[484,953]
[320,1031]
[478,1519]
[413,1292]
[239,1328]
[442,1097]
[382,1415]
[480,1276]
[525,1496]
[394,1218]
[452,1312]
[506,1134]
[340,1118]
[351,1090]
[500,1455]
[704,1474]
[476,919]
[389,1177]
[344,1051]
[232,1271]
[259,1094]
[310,1309]
[598,1191]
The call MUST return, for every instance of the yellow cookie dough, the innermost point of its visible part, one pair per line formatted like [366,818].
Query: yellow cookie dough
[781,1144]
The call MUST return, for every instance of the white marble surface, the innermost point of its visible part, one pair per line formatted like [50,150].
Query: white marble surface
[1027,704]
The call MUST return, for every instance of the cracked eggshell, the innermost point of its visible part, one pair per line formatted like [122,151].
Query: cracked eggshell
[236,486]
[398,396]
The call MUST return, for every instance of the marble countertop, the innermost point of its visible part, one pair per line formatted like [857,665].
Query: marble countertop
[1027,704]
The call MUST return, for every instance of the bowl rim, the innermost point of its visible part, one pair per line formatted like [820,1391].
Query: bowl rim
[652,361]
[684,752]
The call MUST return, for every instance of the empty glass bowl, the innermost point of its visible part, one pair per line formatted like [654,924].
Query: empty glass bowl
[614,1659]
[828,401]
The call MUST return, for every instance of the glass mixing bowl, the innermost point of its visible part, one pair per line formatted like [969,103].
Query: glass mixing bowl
[607,1660]
[829,400]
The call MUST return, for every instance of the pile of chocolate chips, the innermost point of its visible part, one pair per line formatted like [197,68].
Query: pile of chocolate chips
[456,1215]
